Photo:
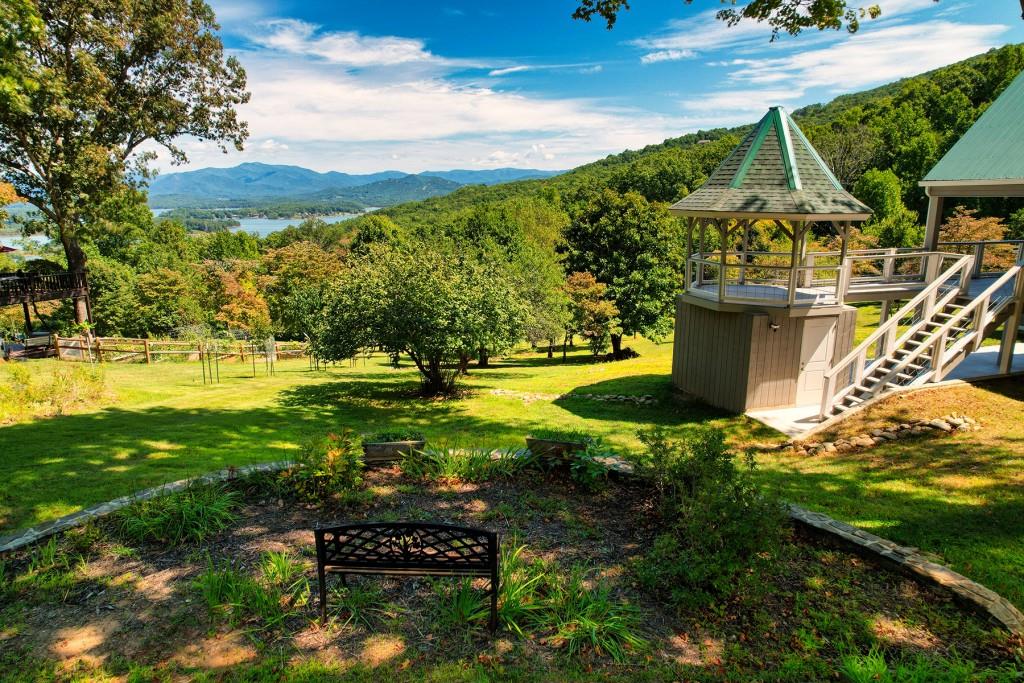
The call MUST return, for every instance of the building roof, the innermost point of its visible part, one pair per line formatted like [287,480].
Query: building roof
[774,173]
[992,150]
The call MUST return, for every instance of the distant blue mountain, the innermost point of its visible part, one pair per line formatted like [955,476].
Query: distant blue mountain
[266,181]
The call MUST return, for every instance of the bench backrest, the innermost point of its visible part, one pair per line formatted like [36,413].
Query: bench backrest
[408,547]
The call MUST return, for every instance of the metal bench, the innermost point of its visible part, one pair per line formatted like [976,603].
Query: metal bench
[407,549]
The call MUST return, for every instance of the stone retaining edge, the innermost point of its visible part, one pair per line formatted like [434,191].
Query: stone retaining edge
[910,561]
[905,559]
[28,536]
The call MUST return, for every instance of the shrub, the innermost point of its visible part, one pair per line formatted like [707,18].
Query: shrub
[714,519]
[25,395]
[567,435]
[187,517]
[394,435]
[467,465]
[328,466]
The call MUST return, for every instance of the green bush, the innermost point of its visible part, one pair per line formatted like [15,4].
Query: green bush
[187,517]
[328,466]
[466,465]
[566,435]
[586,467]
[714,520]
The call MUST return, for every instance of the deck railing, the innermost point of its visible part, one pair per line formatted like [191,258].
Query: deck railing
[991,257]
[25,287]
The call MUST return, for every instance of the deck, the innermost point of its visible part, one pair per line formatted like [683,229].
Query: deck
[22,288]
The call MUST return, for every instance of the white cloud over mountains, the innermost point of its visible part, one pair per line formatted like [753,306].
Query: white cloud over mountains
[330,99]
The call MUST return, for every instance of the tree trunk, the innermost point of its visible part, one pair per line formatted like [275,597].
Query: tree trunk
[76,264]
[565,342]
[617,346]
[463,363]
[485,359]
[551,347]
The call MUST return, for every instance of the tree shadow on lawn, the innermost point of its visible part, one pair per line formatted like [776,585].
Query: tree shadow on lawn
[936,495]
[54,466]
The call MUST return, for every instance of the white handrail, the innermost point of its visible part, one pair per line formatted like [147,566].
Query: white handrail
[963,266]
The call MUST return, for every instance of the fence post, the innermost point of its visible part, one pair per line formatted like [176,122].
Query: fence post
[979,258]
[145,347]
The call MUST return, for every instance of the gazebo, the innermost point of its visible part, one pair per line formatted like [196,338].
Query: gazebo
[759,329]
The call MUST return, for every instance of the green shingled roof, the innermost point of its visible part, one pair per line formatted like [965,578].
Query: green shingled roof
[773,173]
[993,148]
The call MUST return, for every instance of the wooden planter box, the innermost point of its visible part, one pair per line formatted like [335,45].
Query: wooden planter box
[549,448]
[389,451]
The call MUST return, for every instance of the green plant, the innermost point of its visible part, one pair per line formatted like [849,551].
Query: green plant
[469,464]
[268,599]
[68,387]
[328,466]
[186,517]
[394,435]
[589,619]
[460,605]
[586,467]
[520,594]
[714,520]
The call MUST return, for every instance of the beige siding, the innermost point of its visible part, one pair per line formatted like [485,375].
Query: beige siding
[774,361]
[710,355]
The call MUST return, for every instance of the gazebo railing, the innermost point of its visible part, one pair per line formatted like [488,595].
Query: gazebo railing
[772,279]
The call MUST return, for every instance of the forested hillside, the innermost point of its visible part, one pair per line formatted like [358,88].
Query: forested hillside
[591,253]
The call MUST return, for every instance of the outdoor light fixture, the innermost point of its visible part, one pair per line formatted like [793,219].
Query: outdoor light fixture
[773,326]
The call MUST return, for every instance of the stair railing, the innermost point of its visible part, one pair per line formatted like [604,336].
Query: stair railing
[928,298]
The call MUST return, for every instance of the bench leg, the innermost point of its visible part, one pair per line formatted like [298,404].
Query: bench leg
[494,607]
[321,576]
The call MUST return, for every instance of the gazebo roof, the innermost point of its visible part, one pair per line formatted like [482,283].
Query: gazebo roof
[992,150]
[774,173]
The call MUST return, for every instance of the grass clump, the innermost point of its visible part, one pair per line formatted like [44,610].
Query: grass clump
[564,435]
[464,464]
[264,601]
[190,516]
[715,521]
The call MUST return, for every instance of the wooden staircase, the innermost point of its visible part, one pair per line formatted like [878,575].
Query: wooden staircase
[922,342]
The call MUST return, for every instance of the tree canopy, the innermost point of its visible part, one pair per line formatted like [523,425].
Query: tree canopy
[86,83]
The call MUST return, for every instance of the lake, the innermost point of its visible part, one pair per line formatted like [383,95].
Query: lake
[265,226]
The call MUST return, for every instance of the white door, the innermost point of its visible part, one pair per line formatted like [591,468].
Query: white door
[815,358]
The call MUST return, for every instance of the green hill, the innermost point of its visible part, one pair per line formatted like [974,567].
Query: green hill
[905,126]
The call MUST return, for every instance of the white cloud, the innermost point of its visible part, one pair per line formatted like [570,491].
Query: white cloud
[505,71]
[672,55]
[349,48]
[272,145]
[743,104]
[872,56]
[586,68]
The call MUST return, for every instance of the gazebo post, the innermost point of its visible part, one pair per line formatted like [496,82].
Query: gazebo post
[794,260]
[723,236]
[743,251]
[700,251]
[690,221]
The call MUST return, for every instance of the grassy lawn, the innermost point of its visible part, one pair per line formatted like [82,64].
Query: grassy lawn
[164,424]
[959,497]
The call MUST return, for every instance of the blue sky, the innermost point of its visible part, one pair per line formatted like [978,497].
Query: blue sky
[363,85]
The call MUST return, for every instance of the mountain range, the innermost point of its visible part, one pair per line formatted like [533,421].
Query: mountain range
[250,183]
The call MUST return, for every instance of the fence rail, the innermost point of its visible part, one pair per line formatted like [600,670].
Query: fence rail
[128,350]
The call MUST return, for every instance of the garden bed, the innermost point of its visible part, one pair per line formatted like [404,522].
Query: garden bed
[96,601]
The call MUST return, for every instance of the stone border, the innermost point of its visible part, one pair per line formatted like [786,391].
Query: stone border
[947,423]
[910,561]
[904,559]
[45,530]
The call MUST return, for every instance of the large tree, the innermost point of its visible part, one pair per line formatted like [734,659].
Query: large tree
[92,82]
[635,248]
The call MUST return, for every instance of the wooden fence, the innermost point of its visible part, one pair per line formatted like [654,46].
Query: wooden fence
[126,350]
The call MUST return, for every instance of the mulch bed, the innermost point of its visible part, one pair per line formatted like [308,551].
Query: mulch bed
[140,604]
